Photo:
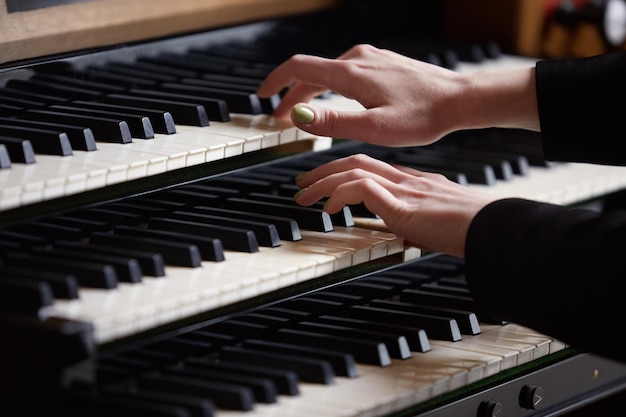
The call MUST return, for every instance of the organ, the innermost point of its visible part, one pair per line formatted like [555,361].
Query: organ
[152,262]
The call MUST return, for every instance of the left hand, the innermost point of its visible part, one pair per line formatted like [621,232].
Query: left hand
[426,209]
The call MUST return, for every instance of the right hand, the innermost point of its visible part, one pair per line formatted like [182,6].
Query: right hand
[407,102]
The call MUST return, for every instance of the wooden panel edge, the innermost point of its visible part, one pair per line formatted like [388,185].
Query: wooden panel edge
[105,23]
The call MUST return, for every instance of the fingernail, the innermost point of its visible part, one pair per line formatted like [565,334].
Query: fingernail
[300,177]
[325,208]
[303,114]
[298,194]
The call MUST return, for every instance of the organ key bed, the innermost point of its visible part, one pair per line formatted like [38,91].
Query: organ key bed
[153,263]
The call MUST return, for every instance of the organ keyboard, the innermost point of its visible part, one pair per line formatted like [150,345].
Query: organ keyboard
[149,242]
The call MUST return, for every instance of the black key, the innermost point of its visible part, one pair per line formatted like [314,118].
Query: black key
[267,104]
[474,171]
[135,72]
[136,207]
[313,305]
[9,110]
[186,62]
[77,223]
[216,109]
[287,228]
[81,138]
[225,395]
[173,253]
[243,184]
[185,113]
[367,290]
[49,231]
[237,101]
[286,381]
[266,233]
[5,158]
[151,263]
[104,129]
[162,121]
[417,296]
[119,406]
[21,103]
[223,192]
[291,314]
[232,238]
[25,95]
[365,351]
[270,321]
[197,406]
[24,240]
[188,196]
[416,337]
[519,163]
[437,327]
[160,68]
[127,269]
[78,80]
[211,248]
[215,339]
[343,363]
[445,289]
[40,87]
[345,299]
[88,274]
[307,369]
[342,218]
[63,285]
[182,347]
[240,329]
[263,388]
[140,126]
[44,141]
[110,216]
[501,167]
[103,76]
[467,321]
[21,296]
[307,218]
[233,79]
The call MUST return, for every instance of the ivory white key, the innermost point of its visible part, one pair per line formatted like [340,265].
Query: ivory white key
[187,291]
[380,391]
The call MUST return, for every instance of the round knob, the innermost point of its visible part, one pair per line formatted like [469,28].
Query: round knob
[491,408]
[531,397]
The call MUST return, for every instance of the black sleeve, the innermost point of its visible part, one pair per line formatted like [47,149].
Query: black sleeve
[560,271]
[581,108]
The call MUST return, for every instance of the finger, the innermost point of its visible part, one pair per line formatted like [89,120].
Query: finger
[308,69]
[372,193]
[351,168]
[364,125]
[298,93]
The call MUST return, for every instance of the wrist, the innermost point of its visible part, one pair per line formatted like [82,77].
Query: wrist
[501,99]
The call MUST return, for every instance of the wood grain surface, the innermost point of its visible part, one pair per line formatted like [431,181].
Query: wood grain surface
[100,23]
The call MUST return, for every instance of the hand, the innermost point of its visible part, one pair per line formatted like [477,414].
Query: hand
[426,209]
[407,102]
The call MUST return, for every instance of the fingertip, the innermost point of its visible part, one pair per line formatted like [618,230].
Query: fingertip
[302,114]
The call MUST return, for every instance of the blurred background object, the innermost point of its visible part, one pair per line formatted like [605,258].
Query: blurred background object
[540,28]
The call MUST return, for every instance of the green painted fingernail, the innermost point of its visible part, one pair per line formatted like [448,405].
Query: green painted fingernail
[300,177]
[303,114]
[298,194]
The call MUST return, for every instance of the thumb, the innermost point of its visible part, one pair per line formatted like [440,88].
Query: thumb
[322,121]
